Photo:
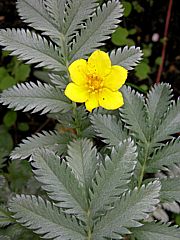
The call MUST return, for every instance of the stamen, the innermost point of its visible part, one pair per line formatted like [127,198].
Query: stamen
[94,83]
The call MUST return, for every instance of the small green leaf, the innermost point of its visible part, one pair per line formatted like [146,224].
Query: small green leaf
[147,52]
[137,7]
[6,142]
[23,126]
[22,72]
[10,118]
[132,31]
[142,70]
[158,60]
[19,172]
[130,42]
[119,37]
[7,82]
[127,8]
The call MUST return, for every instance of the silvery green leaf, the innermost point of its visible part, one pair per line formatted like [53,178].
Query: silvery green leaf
[127,212]
[44,219]
[38,15]
[169,125]
[32,48]
[126,57]
[170,190]
[165,156]
[112,177]
[76,13]
[59,182]
[108,128]
[97,30]
[50,140]
[158,100]
[35,98]
[82,159]
[156,231]
[133,113]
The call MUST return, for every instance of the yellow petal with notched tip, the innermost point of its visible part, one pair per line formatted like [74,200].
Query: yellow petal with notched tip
[92,102]
[116,78]
[76,93]
[78,71]
[110,100]
[99,63]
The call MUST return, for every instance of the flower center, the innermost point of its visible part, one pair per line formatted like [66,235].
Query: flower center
[94,83]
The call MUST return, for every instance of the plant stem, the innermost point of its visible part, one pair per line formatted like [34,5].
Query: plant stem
[143,167]
[78,131]
[164,42]
[89,237]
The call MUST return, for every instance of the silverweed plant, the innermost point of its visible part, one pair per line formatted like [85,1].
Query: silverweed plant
[98,177]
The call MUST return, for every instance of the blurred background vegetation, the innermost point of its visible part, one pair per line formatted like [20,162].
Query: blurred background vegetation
[142,25]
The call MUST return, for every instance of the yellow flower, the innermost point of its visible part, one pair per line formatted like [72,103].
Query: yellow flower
[96,82]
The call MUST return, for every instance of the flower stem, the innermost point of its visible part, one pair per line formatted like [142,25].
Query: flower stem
[78,131]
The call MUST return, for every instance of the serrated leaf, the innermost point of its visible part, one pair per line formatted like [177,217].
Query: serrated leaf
[170,190]
[32,48]
[127,212]
[158,100]
[170,124]
[76,13]
[5,218]
[156,231]
[4,237]
[39,16]
[50,140]
[59,80]
[56,9]
[44,218]
[2,178]
[35,97]
[97,30]
[60,183]
[108,128]
[133,113]
[83,161]
[166,156]
[112,177]
[126,57]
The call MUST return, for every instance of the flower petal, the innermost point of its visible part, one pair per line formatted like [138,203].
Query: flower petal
[78,71]
[92,102]
[99,63]
[76,93]
[116,78]
[110,100]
